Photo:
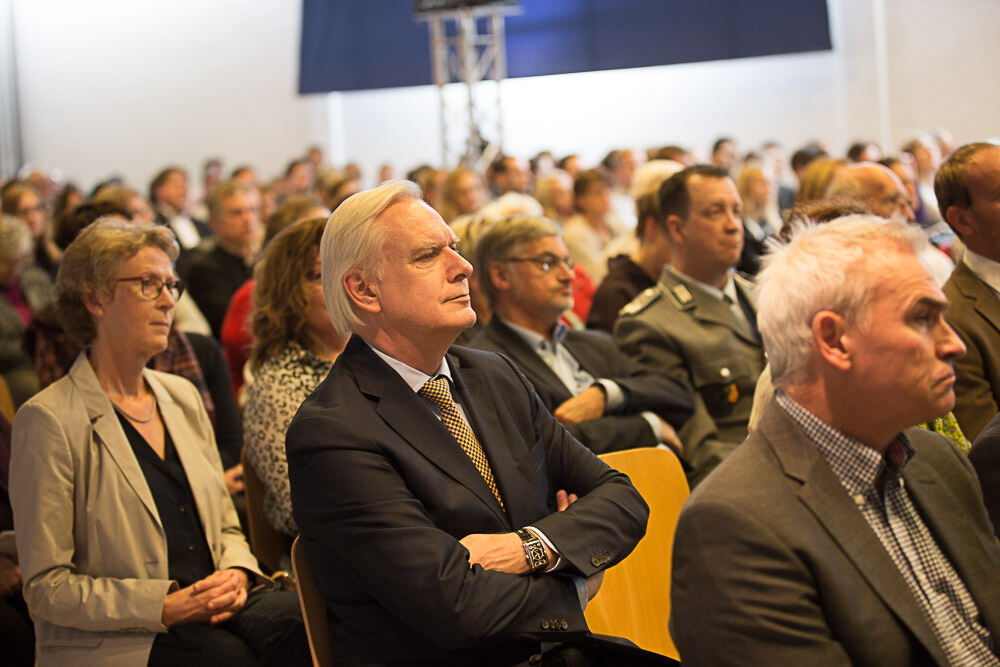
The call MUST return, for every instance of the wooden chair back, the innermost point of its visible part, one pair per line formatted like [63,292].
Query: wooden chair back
[634,600]
[268,544]
[313,608]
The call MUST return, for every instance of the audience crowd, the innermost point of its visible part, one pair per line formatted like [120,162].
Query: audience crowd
[664,298]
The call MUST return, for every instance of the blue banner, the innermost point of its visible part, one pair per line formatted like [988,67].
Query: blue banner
[365,44]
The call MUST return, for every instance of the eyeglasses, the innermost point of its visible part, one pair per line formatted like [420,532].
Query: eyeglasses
[547,263]
[151,285]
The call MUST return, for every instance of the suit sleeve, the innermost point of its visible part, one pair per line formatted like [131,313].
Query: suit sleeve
[741,597]
[975,401]
[645,389]
[613,433]
[355,506]
[43,479]
[608,520]
[658,352]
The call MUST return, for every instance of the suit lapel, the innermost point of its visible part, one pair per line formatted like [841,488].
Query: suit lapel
[525,358]
[200,473]
[948,524]
[827,500]
[413,419]
[109,432]
[972,287]
[481,407]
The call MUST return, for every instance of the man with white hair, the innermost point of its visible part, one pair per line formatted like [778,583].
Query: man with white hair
[837,534]
[447,516]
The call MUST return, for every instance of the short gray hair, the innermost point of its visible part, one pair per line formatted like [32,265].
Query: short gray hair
[822,267]
[351,241]
[15,238]
[498,242]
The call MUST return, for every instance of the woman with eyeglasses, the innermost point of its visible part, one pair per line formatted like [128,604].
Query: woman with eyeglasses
[295,346]
[129,545]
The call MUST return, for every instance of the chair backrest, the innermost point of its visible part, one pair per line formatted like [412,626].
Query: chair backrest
[313,608]
[268,544]
[6,401]
[634,600]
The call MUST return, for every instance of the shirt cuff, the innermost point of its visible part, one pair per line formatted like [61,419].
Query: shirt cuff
[613,394]
[552,549]
[581,591]
[655,424]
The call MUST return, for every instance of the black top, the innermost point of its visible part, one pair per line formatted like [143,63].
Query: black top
[215,369]
[624,282]
[213,276]
[188,557]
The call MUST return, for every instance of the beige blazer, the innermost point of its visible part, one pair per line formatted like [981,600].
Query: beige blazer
[92,550]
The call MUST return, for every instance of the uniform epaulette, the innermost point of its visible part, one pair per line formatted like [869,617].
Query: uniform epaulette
[639,303]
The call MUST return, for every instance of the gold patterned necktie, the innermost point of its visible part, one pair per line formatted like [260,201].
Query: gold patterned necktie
[437,391]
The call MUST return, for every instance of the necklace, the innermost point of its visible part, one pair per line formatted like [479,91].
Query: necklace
[152,412]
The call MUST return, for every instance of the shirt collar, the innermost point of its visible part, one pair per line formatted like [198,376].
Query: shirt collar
[986,269]
[855,464]
[535,340]
[414,378]
[728,290]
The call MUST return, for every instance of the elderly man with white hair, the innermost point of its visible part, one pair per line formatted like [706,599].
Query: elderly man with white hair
[447,516]
[837,534]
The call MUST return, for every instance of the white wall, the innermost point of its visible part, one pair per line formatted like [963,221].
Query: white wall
[129,85]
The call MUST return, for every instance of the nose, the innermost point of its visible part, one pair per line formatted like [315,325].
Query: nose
[950,346]
[462,269]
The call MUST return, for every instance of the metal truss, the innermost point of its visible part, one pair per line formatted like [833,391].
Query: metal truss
[467,46]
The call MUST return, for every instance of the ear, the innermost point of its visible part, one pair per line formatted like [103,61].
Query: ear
[958,218]
[829,334]
[675,229]
[499,276]
[362,291]
[94,302]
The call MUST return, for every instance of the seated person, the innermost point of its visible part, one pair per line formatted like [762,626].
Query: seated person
[217,268]
[698,325]
[236,337]
[24,290]
[129,545]
[838,534]
[194,356]
[294,348]
[433,527]
[17,635]
[629,276]
[606,401]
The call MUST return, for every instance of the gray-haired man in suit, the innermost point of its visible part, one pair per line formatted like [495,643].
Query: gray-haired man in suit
[837,534]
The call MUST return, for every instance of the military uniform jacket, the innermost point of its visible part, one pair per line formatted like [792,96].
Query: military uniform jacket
[682,330]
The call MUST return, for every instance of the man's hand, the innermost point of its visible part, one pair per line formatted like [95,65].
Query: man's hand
[588,404]
[10,577]
[234,479]
[670,437]
[214,599]
[502,552]
[564,500]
